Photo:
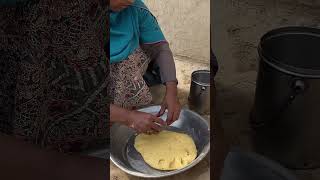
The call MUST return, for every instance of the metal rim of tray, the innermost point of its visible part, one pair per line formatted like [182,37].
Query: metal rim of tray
[199,158]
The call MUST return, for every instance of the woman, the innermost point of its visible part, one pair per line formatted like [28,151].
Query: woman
[136,40]
[53,86]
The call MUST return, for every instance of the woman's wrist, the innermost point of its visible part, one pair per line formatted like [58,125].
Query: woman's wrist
[120,115]
[171,88]
[127,117]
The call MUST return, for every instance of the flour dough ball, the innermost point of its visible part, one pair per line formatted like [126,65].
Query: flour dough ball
[166,150]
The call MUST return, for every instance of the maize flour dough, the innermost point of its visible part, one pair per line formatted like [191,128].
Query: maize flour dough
[166,150]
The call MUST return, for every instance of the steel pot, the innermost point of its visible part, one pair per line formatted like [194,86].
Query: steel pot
[199,97]
[285,115]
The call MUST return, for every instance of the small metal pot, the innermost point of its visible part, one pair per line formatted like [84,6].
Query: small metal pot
[199,97]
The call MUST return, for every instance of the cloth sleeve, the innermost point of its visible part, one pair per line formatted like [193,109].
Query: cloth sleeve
[162,55]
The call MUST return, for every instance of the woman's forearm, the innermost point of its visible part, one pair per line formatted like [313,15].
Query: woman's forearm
[171,88]
[163,57]
[166,63]
[118,114]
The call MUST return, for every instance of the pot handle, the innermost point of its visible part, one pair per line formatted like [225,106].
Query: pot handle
[298,87]
[202,90]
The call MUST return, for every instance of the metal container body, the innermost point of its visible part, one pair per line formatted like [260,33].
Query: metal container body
[199,97]
[124,155]
[285,116]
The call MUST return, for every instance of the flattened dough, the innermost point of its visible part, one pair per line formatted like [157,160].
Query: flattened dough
[166,150]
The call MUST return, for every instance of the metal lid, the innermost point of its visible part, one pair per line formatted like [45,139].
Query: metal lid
[292,50]
[201,77]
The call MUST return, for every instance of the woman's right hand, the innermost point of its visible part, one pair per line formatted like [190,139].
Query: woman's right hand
[144,122]
[139,121]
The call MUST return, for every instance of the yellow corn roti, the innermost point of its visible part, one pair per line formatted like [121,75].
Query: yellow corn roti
[166,150]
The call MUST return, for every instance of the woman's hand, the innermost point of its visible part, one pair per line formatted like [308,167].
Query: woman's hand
[144,122]
[171,103]
[118,5]
[139,121]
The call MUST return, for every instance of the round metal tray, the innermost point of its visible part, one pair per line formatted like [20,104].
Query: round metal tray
[124,155]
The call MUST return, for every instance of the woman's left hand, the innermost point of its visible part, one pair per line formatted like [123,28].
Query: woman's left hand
[171,103]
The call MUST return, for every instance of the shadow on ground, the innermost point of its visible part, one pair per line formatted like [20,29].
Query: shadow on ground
[234,102]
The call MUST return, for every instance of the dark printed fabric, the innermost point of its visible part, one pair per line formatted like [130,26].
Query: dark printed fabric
[53,73]
[128,88]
